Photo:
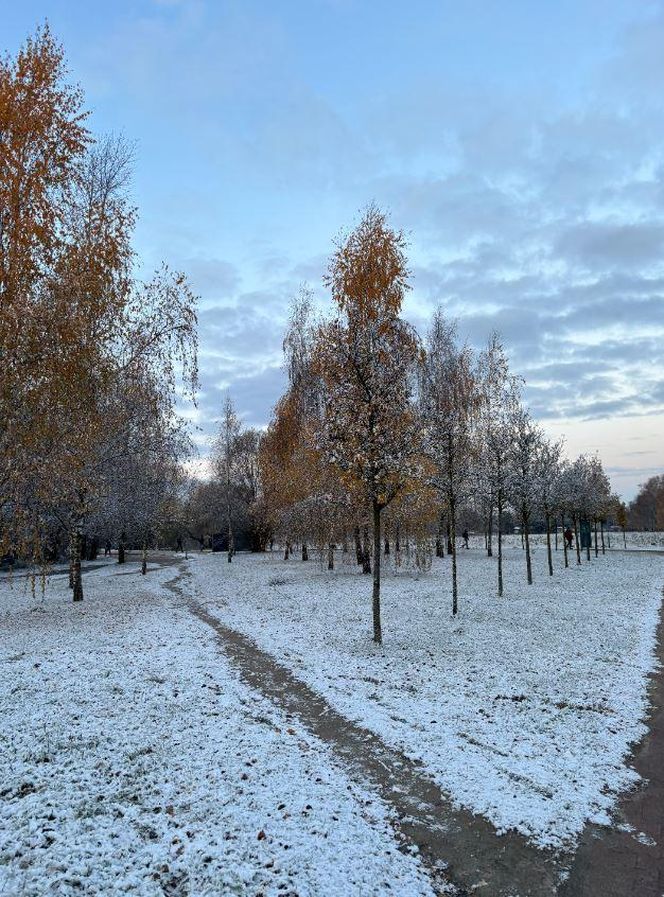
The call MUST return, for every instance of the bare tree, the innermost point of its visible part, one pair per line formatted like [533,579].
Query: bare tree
[225,458]
[448,403]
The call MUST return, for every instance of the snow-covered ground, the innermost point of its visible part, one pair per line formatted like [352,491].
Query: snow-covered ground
[134,761]
[614,540]
[523,709]
[649,541]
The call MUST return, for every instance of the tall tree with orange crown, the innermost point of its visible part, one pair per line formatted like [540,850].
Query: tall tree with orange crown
[366,357]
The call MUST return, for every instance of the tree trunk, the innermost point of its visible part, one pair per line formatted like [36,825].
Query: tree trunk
[366,553]
[305,552]
[555,534]
[358,546]
[440,537]
[230,534]
[565,543]
[576,539]
[330,556]
[287,551]
[526,538]
[71,559]
[452,524]
[121,549]
[489,544]
[78,544]
[624,538]
[377,633]
[588,546]
[144,558]
[548,543]
[500,544]
[608,537]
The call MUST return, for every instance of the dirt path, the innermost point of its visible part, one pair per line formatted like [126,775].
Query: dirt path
[457,846]
[629,862]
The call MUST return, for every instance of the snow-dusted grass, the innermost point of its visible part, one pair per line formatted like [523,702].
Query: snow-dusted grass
[643,541]
[614,540]
[523,709]
[134,762]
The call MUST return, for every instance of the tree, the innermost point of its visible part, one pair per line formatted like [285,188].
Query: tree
[87,352]
[43,139]
[304,393]
[646,510]
[526,453]
[499,398]
[547,474]
[599,489]
[563,500]
[621,518]
[366,359]
[448,404]
[225,458]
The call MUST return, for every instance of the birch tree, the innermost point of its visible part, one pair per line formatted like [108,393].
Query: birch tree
[448,403]
[499,398]
[525,456]
[226,454]
[366,360]
[82,343]
[548,472]
[43,138]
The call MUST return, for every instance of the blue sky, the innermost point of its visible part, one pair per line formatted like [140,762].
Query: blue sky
[519,144]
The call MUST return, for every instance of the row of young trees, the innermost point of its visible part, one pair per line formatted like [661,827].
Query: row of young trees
[386,436]
[91,359]
[382,437]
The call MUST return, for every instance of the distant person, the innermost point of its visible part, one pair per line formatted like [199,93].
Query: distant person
[107,548]
[464,536]
[569,535]
[179,544]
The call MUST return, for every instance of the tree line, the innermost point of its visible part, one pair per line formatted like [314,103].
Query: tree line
[646,510]
[384,443]
[385,439]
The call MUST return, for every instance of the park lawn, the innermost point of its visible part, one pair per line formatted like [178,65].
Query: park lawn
[523,709]
[135,762]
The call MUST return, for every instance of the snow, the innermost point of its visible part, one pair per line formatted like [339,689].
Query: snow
[523,709]
[135,762]
[639,540]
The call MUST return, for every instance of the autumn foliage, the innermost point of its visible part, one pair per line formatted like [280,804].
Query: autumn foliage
[388,445]
[90,357]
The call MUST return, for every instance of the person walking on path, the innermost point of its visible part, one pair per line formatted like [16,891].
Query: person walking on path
[464,535]
[569,535]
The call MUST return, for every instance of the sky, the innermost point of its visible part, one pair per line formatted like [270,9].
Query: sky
[518,143]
